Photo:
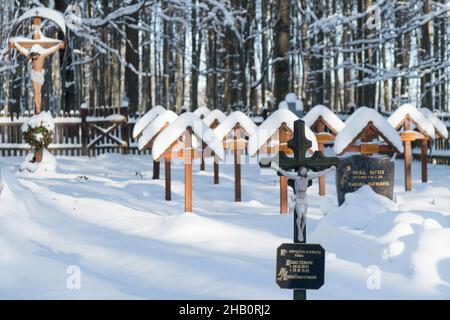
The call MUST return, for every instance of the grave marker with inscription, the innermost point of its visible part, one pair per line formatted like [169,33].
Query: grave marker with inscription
[356,171]
[300,266]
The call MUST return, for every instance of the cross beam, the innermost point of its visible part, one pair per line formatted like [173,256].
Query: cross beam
[300,144]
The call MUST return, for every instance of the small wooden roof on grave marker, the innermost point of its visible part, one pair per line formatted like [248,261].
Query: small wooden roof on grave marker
[160,123]
[175,131]
[215,115]
[237,118]
[202,112]
[410,112]
[320,114]
[269,128]
[146,119]
[439,126]
[366,125]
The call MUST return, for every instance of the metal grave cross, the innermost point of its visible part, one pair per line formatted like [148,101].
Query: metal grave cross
[299,144]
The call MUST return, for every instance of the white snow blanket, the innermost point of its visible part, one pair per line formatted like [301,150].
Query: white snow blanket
[172,133]
[167,117]
[47,166]
[98,219]
[146,119]
[358,121]
[439,125]
[236,117]
[332,120]
[202,112]
[423,124]
[270,127]
[216,114]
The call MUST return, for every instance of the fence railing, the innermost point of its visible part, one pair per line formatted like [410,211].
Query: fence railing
[83,132]
[108,130]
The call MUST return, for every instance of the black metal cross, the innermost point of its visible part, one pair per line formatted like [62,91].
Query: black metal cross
[299,144]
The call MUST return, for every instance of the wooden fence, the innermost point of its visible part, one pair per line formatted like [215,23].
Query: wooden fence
[107,130]
[84,132]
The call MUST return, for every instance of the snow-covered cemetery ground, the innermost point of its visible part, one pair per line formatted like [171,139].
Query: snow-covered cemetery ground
[107,218]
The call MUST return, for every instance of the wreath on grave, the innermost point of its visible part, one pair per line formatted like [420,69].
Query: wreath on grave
[38,131]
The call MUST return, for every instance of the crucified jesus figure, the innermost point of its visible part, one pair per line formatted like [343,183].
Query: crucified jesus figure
[37,55]
[301,179]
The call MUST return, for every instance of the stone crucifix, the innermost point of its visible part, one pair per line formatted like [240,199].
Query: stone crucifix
[37,49]
[301,177]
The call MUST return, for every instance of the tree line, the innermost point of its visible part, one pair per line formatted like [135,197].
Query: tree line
[235,54]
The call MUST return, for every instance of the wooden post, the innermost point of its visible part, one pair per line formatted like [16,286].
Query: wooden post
[216,172]
[322,178]
[237,171]
[216,163]
[202,159]
[283,195]
[407,165]
[187,172]
[84,131]
[408,155]
[156,169]
[424,148]
[284,208]
[167,178]
[125,131]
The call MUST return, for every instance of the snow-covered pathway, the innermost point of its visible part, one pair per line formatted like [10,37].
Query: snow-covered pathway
[106,216]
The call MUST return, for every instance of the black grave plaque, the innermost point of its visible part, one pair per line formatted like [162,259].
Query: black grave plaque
[300,266]
[356,171]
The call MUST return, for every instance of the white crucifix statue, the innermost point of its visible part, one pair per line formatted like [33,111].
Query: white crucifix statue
[36,50]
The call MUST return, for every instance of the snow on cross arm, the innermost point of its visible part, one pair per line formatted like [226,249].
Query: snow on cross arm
[270,127]
[438,124]
[178,127]
[168,116]
[327,115]
[230,122]
[420,121]
[358,121]
[146,119]
[214,115]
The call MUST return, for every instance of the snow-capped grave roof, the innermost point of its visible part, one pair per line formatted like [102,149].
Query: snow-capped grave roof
[146,119]
[237,117]
[438,124]
[214,115]
[358,121]
[201,112]
[171,134]
[47,13]
[154,128]
[269,127]
[331,120]
[397,118]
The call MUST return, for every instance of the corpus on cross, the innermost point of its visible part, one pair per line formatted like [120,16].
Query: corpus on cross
[37,49]
[301,177]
